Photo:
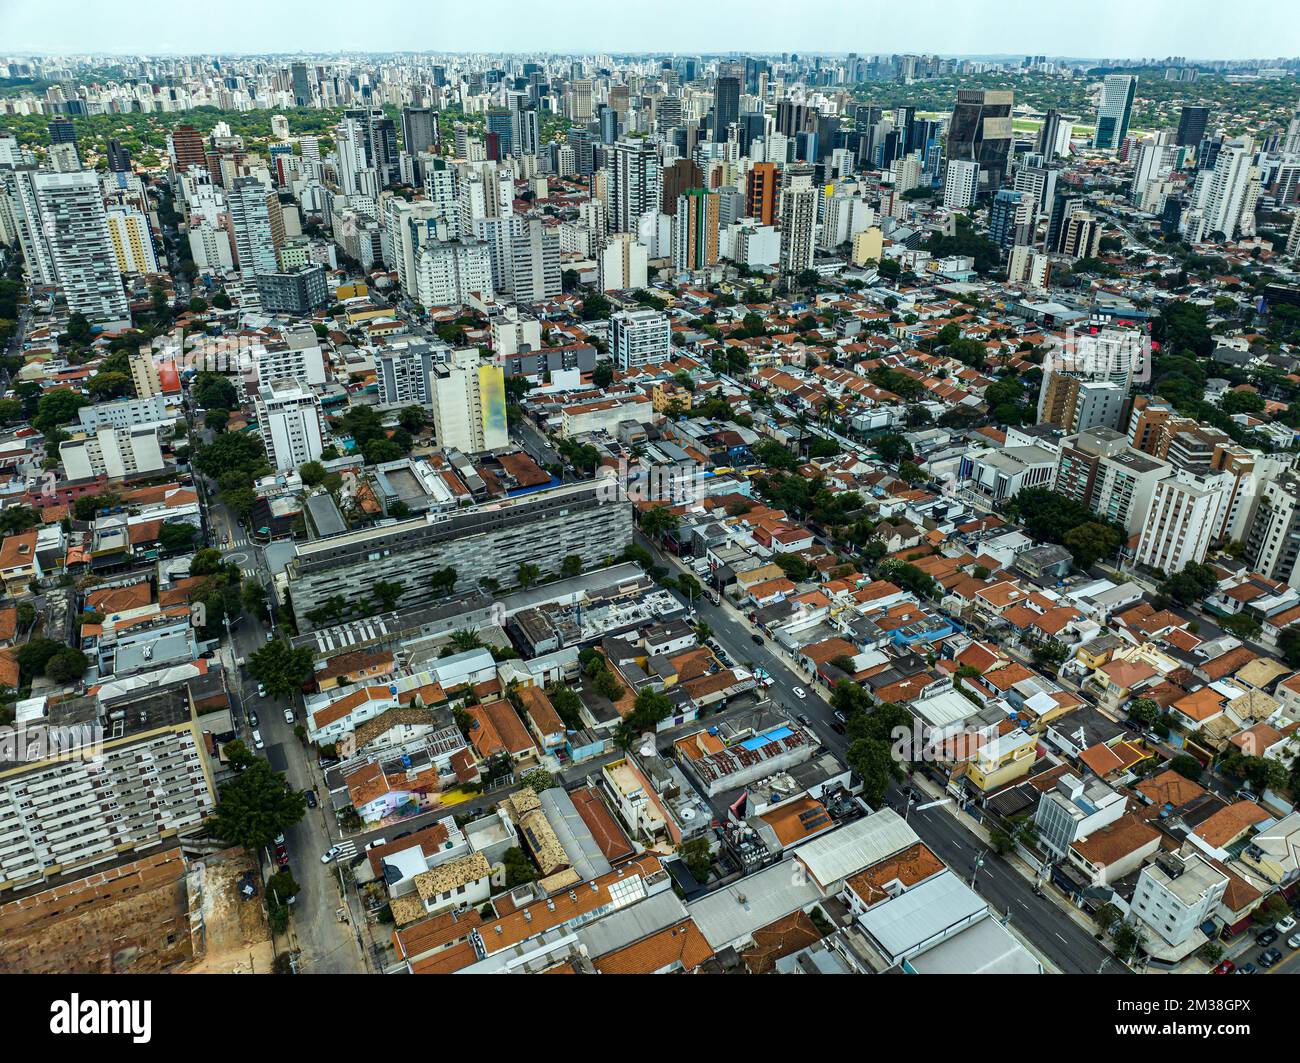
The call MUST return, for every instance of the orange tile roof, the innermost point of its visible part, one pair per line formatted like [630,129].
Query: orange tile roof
[681,944]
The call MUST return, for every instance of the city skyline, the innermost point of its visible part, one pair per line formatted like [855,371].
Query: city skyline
[1198,30]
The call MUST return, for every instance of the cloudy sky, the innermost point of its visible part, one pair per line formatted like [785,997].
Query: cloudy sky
[1199,29]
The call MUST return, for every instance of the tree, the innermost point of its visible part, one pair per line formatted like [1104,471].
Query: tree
[1190,585]
[66,665]
[57,406]
[1125,941]
[212,390]
[1090,542]
[281,668]
[657,521]
[1144,711]
[462,640]
[648,711]
[34,654]
[313,473]
[1243,626]
[697,857]
[527,574]
[444,580]
[386,594]
[257,804]
[519,869]
[603,375]
[17,519]
[174,536]
[892,448]
[538,779]
[571,566]
[872,760]
[595,307]
[1187,766]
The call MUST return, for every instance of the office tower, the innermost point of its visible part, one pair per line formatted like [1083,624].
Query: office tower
[1049,135]
[668,112]
[419,129]
[609,124]
[258,224]
[1224,198]
[119,159]
[623,263]
[582,142]
[62,131]
[524,130]
[961,184]
[289,422]
[1114,111]
[535,262]
[128,229]
[1191,125]
[298,291]
[695,230]
[402,374]
[798,206]
[469,404]
[301,86]
[1011,218]
[377,142]
[682,175]
[186,149]
[636,186]
[726,107]
[638,338]
[74,229]
[1039,184]
[793,118]
[980,132]
[805,146]
[580,100]
[761,186]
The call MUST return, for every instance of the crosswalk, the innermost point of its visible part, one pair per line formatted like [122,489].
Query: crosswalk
[347,850]
[248,573]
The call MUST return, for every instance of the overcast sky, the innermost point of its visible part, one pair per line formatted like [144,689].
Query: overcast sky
[1198,29]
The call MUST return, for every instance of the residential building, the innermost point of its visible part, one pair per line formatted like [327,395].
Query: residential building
[289,420]
[638,338]
[469,403]
[117,453]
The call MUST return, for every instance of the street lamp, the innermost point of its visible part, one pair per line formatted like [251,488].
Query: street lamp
[979,862]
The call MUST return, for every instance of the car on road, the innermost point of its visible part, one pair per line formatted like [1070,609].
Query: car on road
[1266,937]
[800,693]
[1226,967]
[330,853]
[839,728]
[756,639]
[1293,942]
[310,795]
[270,636]
[1285,925]
[1272,956]
[802,718]
[288,716]
[261,690]
[376,843]
[257,739]
[252,719]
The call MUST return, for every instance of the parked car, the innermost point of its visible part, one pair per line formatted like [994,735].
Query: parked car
[838,728]
[257,739]
[1285,925]
[802,718]
[252,718]
[310,795]
[1293,942]
[288,716]
[376,843]
[1266,937]
[1226,967]
[800,693]
[270,636]
[261,690]
[756,639]
[330,853]
[1270,957]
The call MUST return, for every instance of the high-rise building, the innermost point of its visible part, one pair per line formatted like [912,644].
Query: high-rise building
[74,228]
[1225,197]
[726,107]
[128,228]
[1011,218]
[402,374]
[798,206]
[119,159]
[636,185]
[448,271]
[535,262]
[980,132]
[1114,111]
[469,404]
[258,225]
[419,129]
[623,263]
[695,230]
[301,86]
[1191,125]
[1273,539]
[638,338]
[761,186]
[289,421]
[186,149]
[681,175]
[1183,520]
[961,183]
[144,374]
[1098,469]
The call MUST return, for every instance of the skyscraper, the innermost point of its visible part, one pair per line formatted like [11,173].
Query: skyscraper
[119,160]
[799,198]
[636,184]
[258,224]
[726,106]
[760,192]
[419,129]
[1191,125]
[980,132]
[1114,111]
[683,174]
[301,86]
[695,230]
[74,228]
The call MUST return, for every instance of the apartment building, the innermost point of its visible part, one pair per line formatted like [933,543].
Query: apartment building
[1185,517]
[289,420]
[113,452]
[1100,470]
[485,541]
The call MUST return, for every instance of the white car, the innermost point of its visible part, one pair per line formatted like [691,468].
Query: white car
[261,690]
[270,636]
[257,740]
[376,843]
[1293,941]
[330,853]
[800,693]
[1286,925]
[288,716]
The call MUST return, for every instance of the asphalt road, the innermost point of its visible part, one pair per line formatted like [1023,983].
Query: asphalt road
[1041,920]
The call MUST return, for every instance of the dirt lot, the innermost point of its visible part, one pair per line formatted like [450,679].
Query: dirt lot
[234,938]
